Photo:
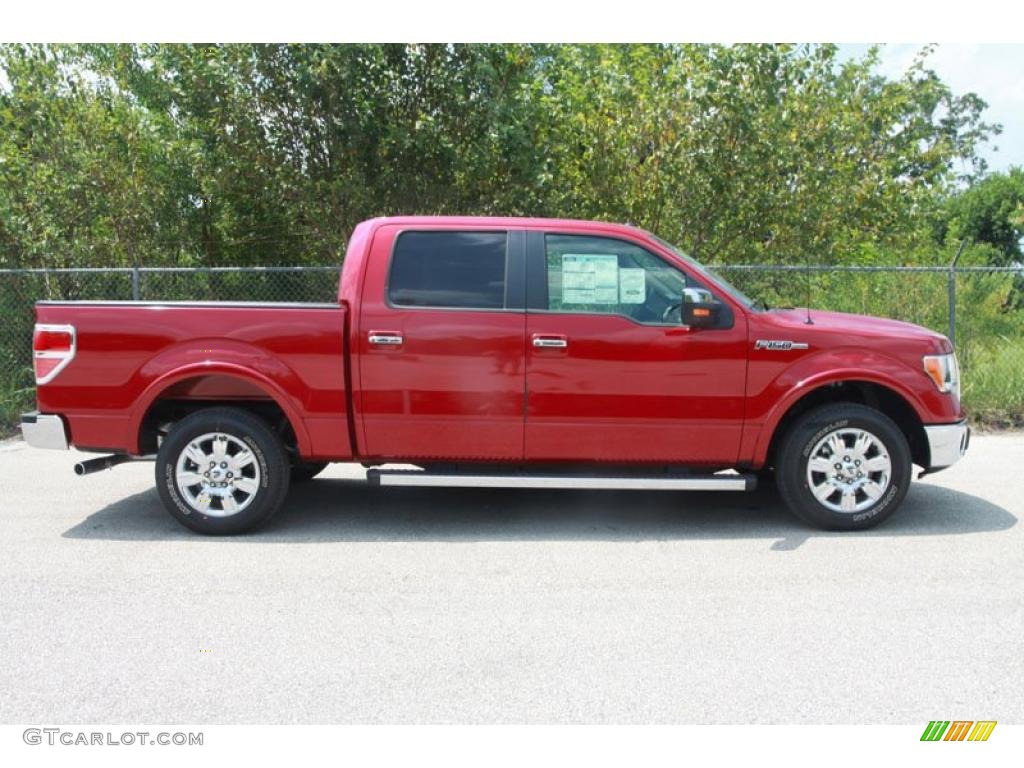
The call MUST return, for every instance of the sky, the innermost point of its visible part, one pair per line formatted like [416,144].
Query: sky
[993,71]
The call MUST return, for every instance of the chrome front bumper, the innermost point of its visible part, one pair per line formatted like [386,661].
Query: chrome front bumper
[946,444]
[42,430]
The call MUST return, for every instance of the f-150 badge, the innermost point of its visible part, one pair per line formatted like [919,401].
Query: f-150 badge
[779,345]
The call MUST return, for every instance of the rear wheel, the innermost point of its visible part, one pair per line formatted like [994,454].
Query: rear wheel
[844,467]
[222,471]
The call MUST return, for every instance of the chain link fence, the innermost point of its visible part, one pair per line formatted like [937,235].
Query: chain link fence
[982,308]
[20,289]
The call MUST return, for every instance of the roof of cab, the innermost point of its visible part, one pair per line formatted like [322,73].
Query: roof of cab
[502,221]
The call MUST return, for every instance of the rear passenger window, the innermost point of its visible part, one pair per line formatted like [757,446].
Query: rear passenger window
[449,269]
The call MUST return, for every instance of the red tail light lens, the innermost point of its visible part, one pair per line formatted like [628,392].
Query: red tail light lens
[53,347]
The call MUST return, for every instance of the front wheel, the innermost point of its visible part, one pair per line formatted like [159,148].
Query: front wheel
[222,471]
[843,467]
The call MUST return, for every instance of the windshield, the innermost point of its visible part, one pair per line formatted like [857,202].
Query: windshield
[700,269]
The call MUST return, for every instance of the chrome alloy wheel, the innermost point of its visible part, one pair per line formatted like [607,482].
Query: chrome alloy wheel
[849,470]
[217,474]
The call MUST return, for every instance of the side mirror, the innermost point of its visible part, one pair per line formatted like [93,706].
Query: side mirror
[702,314]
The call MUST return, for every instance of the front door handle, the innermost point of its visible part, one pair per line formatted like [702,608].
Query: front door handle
[385,339]
[541,341]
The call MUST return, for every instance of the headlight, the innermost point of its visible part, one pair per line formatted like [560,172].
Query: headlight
[944,371]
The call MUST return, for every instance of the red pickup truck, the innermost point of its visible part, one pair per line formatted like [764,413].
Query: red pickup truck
[501,352]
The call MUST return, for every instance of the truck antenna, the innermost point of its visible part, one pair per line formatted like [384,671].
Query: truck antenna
[807,274]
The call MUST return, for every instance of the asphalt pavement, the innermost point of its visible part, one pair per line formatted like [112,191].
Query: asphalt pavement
[367,605]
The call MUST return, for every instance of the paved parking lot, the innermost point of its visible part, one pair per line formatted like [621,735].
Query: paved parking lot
[368,604]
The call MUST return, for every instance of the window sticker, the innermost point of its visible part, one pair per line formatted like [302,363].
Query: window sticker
[590,278]
[632,286]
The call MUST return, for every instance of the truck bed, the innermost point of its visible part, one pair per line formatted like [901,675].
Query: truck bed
[133,356]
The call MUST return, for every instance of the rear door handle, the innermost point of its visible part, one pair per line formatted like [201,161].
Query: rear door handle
[385,339]
[541,341]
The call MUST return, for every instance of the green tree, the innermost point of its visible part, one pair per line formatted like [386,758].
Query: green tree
[260,154]
[753,152]
[86,178]
[990,212]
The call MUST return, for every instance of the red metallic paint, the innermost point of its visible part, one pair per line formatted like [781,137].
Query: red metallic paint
[131,354]
[452,390]
[621,391]
[469,385]
[625,392]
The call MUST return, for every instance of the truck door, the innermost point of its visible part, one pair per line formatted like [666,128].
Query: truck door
[441,359]
[612,374]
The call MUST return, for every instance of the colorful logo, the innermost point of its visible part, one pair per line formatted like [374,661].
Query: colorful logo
[958,730]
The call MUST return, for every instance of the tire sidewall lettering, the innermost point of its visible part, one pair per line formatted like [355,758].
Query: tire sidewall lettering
[841,424]
[172,489]
[264,469]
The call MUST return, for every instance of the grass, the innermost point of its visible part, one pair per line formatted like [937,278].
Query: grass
[16,396]
[993,382]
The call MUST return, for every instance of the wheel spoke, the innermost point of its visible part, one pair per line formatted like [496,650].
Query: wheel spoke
[219,451]
[849,501]
[247,485]
[196,454]
[189,479]
[873,490]
[228,503]
[243,459]
[862,444]
[836,444]
[823,491]
[819,464]
[878,464]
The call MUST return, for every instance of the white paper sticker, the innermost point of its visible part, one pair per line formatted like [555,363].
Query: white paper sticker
[632,286]
[590,278]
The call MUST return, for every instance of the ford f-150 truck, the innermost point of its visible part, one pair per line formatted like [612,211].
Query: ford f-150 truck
[501,352]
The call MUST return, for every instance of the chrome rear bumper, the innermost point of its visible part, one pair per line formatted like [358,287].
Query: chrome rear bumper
[42,430]
[946,444]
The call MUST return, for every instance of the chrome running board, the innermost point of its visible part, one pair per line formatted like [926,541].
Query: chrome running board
[624,482]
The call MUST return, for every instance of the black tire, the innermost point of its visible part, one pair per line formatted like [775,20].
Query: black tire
[266,471]
[305,471]
[811,431]
[766,481]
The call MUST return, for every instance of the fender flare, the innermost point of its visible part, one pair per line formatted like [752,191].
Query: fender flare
[159,385]
[805,387]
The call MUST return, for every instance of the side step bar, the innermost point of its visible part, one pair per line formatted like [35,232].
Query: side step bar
[660,482]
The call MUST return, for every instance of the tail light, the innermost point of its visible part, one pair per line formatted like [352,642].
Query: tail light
[53,347]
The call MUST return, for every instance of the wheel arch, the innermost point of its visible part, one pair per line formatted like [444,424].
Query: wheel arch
[190,389]
[882,397]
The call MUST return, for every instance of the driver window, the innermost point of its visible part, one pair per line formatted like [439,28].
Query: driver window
[607,276]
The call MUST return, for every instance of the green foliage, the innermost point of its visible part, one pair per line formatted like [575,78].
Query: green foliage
[992,381]
[752,153]
[257,154]
[991,211]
